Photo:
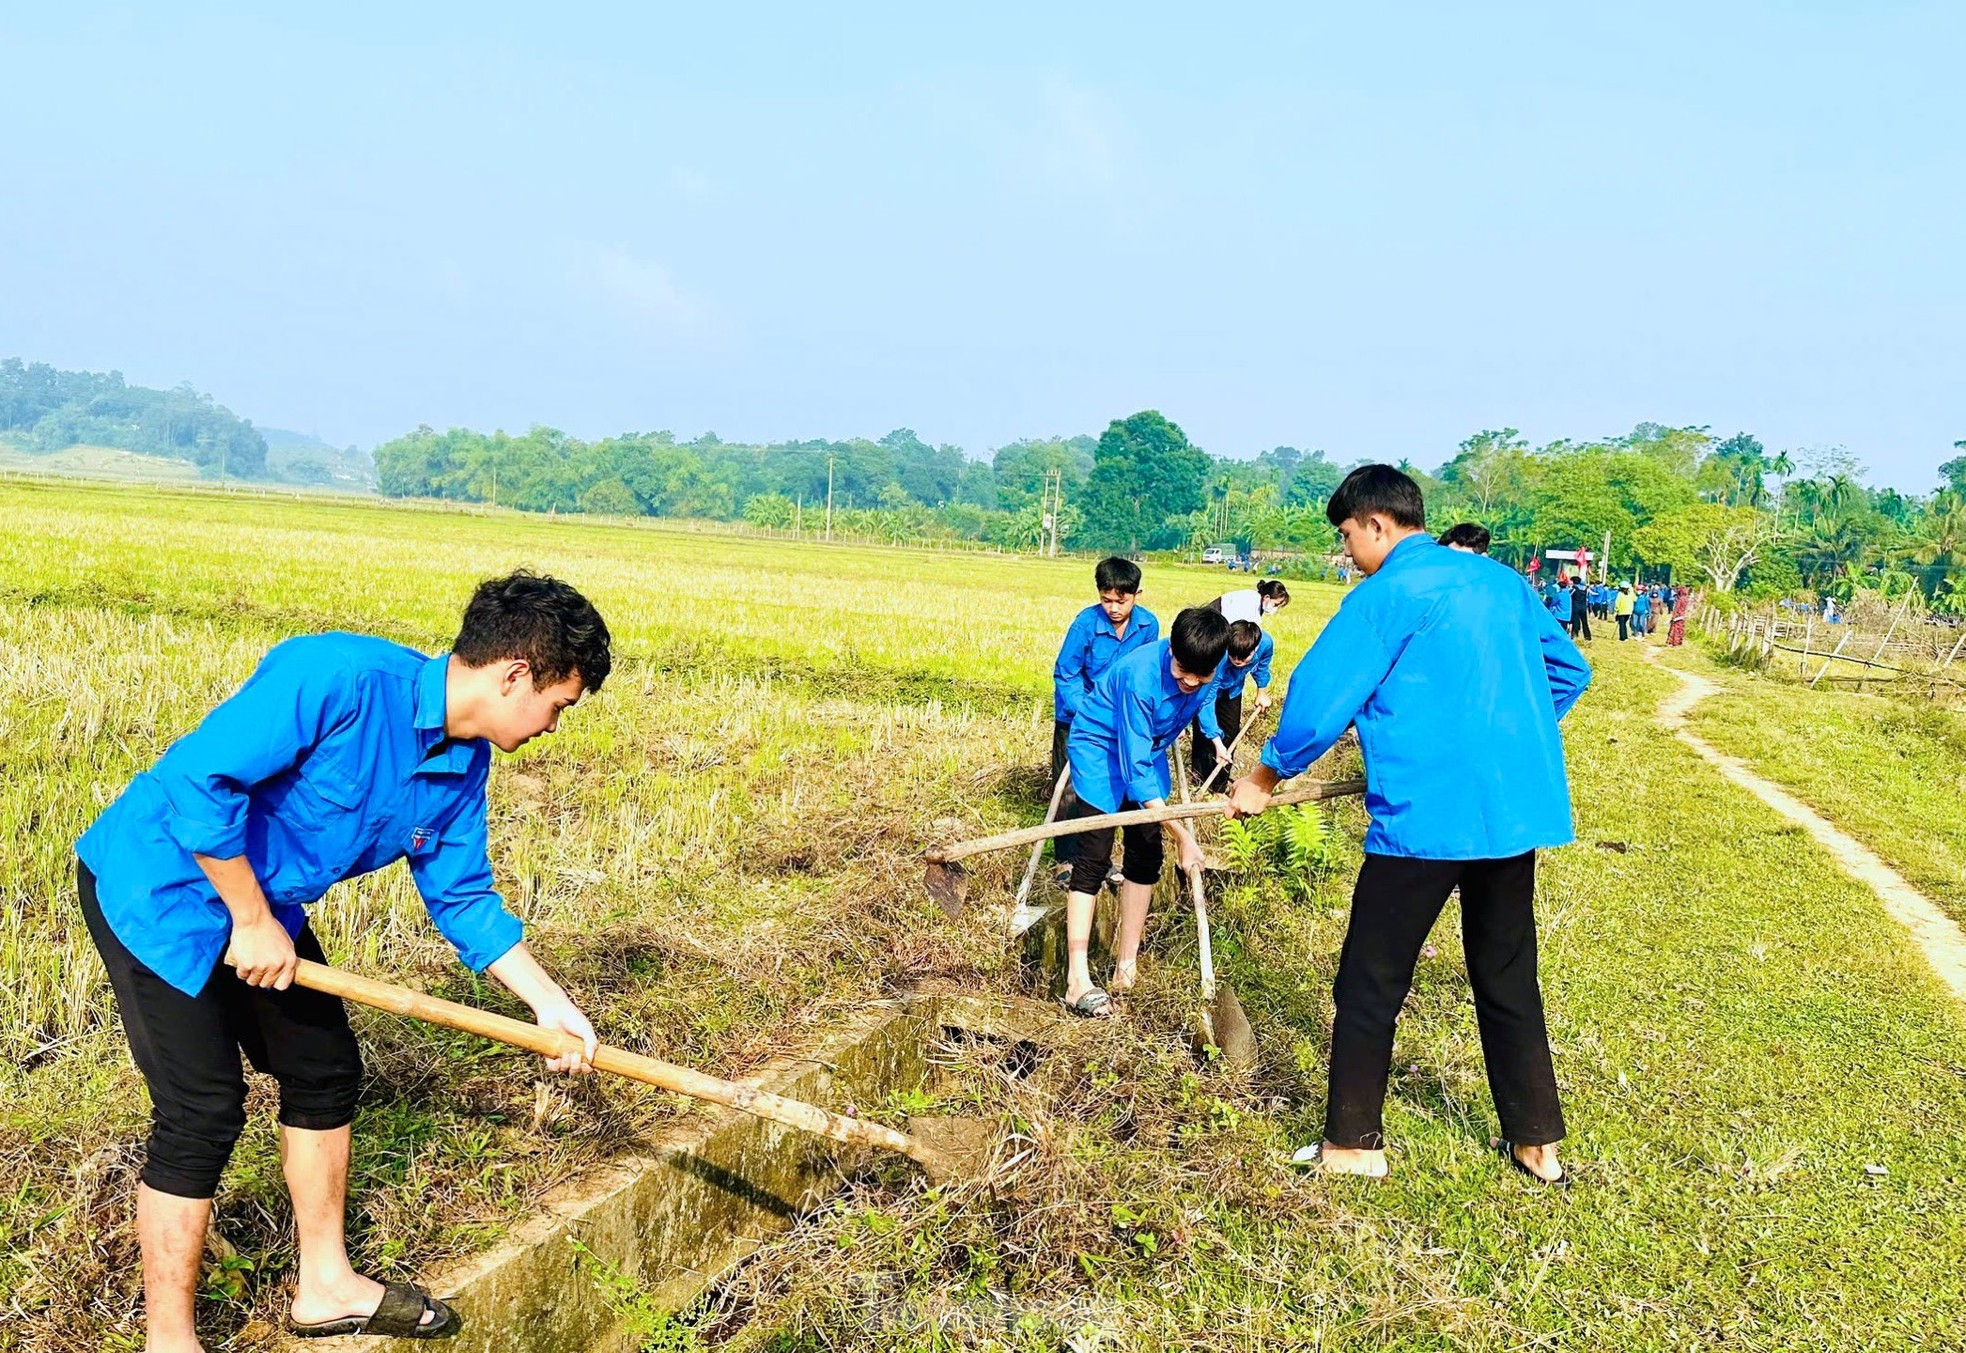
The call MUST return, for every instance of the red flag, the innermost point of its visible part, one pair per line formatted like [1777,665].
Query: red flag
[1534,563]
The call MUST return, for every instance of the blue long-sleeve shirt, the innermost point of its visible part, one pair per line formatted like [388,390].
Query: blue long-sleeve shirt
[1090,648]
[1230,680]
[1119,742]
[331,761]
[1560,605]
[1455,677]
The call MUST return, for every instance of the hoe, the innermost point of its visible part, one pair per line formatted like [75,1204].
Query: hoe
[619,1061]
[948,881]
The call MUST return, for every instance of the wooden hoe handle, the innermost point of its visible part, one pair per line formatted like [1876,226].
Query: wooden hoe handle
[1173,812]
[401,1000]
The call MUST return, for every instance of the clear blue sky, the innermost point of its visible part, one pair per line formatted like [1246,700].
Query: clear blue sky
[1372,229]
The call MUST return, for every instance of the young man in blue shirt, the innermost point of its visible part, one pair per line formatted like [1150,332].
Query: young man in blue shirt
[1455,678]
[1099,636]
[1220,717]
[1118,754]
[340,755]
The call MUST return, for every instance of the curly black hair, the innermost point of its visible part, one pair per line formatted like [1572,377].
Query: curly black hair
[543,620]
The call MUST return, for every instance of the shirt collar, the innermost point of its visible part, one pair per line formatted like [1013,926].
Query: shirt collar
[431,697]
[1408,548]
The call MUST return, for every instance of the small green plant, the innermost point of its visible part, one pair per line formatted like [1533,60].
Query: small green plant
[1294,844]
[652,1328]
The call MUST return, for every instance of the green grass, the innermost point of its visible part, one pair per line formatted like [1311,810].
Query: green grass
[1890,771]
[716,854]
[719,854]
[1739,1032]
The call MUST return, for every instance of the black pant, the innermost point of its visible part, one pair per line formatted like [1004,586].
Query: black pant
[1580,621]
[1201,752]
[1395,904]
[187,1048]
[1624,627]
[1140,863]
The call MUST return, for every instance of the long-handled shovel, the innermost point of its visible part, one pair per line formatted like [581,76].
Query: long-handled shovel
[620,1062]
[948,883]
[1223,1023]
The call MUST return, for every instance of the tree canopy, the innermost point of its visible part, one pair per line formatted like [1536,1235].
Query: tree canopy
[50,410]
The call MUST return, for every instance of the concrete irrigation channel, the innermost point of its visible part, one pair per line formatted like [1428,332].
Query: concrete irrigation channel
[703,1197]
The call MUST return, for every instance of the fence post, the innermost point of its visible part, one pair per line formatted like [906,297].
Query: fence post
[1953,653]
[1802,663]
[1831,658]
[1893,629]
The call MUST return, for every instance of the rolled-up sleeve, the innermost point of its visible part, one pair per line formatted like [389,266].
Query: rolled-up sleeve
[1327,690]
[454,877]
[267,726]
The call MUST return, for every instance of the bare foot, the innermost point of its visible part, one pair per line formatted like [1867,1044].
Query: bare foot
[1331,1159]
[1125,976]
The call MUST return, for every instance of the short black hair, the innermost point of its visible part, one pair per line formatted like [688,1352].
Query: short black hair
[1469,535]
[1274,590]
[1115,574]
[1244,635]
[543,620]
[1198,639]
[1381,489]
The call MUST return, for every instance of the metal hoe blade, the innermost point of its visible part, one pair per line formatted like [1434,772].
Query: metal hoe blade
[948,884]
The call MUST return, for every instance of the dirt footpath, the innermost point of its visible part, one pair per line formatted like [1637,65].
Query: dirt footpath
[1943,943]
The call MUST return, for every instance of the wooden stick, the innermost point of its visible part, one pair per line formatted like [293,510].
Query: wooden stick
[1037,849]
[400,1000]
[1955,653]
[1889,631]
[1228,763]
[1138,817]
[1832,657]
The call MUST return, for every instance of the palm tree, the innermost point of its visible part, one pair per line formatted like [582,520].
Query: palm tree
[1941,542]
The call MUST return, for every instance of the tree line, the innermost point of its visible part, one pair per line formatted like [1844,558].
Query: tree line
[1676,502]
[49,410]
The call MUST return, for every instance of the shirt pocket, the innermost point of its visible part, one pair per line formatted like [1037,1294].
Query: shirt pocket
[324,796]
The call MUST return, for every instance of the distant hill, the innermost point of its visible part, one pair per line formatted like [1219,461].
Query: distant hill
[96,423]
[45,410]
[298,458]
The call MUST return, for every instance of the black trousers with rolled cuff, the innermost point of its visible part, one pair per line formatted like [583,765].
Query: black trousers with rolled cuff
[1394,907]
[187,1048]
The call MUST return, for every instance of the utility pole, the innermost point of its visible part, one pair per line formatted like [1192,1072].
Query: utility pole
[829,497]
[1052,504]
[799,515]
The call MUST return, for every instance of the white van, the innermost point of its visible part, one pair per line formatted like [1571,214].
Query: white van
[1214,554]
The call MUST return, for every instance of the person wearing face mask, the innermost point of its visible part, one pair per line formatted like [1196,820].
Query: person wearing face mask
[1118,753]
[339,756]
[1256,603]
[1455,676]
